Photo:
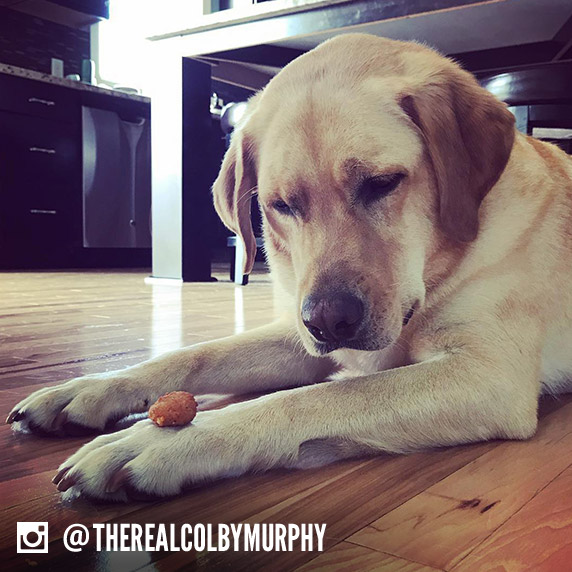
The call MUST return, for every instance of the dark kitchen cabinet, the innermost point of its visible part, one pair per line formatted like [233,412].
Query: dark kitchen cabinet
[46,156]
[70,13]
[98,8]
[40,166]
[38,99]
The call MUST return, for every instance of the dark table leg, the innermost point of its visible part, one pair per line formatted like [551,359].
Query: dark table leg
[198,212]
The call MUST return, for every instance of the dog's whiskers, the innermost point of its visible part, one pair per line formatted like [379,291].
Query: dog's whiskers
[247,195]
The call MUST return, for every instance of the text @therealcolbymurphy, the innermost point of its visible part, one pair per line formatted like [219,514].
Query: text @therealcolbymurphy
[33,537]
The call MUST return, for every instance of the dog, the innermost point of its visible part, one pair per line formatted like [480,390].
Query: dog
[421,251]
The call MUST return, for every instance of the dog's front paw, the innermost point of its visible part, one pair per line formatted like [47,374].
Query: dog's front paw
[146,461]
[82,405]
[130,463]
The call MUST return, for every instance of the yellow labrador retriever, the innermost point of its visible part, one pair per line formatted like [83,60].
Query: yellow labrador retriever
[419,245]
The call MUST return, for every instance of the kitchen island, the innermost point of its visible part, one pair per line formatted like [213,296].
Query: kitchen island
[246,47]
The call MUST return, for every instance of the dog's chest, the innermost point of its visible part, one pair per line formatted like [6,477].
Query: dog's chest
[364,363]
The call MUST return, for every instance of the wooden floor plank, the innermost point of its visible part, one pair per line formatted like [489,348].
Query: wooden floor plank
[449,519]
[536,539]
[344,503]
[56,326]
[347,557]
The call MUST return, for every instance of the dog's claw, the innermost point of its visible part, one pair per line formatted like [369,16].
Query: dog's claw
[408,316]
[14,416]
[117,480]
[60,475]
[67,482]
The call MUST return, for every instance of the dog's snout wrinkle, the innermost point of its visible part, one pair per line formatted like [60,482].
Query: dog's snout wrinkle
[333,318]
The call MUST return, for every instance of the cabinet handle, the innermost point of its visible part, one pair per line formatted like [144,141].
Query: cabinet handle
[42,150]
[46,102]
[43,211]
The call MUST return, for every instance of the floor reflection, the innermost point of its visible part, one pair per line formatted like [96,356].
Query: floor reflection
[167,317]
[238,310]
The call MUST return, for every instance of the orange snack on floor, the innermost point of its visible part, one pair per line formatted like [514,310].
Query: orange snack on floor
[173,409]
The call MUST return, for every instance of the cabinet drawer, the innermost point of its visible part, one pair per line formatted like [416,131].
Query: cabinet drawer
[40,173]
[38,99]
[38,152]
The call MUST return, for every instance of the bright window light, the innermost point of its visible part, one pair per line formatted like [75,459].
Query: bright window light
[119,45]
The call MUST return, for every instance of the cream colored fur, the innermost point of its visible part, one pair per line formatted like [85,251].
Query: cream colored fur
[491,286]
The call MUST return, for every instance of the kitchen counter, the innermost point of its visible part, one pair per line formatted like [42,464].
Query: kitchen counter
[47,78]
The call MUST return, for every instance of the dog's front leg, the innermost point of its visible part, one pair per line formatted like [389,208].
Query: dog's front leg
[263,359]
[454,399]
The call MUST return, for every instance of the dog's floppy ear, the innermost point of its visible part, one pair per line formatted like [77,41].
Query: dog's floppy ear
[469,136]
[233,191]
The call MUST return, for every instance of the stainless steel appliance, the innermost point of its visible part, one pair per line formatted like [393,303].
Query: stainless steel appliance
[116,180]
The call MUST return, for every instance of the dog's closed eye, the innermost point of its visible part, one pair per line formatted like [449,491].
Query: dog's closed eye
[282,207]
[375,188]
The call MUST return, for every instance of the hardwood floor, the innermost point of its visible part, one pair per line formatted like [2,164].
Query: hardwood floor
[489,506]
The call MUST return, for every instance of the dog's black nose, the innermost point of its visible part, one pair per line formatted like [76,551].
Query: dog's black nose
[333,318]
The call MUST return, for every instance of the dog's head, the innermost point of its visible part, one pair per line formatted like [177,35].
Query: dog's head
[368,155]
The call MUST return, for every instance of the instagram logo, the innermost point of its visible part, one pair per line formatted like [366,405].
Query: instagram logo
[32,537]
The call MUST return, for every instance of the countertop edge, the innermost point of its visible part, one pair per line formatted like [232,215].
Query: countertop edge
[11,70]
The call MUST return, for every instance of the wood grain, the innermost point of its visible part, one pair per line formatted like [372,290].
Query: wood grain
[448,520]
[347,557]
[538,538]
[55,326]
